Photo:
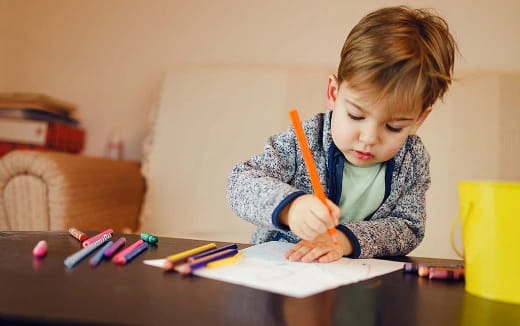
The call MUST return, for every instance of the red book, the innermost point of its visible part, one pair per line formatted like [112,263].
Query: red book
[39,135]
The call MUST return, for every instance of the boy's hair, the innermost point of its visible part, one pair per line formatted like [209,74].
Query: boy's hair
[405,55]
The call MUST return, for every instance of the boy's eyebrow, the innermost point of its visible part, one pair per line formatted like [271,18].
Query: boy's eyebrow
[364,111]
[355,105]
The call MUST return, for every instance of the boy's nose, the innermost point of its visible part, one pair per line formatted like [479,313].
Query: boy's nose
[369,135]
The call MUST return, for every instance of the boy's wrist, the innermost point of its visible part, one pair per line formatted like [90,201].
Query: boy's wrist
[283,217]
[345,243]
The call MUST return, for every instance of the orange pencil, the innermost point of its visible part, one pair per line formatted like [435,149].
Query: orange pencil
[309,164]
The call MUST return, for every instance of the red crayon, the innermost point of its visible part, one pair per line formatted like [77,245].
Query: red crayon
[78,234]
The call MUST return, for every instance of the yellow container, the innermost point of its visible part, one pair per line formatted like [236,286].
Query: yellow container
[490,214]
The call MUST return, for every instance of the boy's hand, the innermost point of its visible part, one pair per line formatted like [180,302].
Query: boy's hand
[321,248]
[307,217]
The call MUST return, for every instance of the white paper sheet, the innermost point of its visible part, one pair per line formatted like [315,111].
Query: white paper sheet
[264,267]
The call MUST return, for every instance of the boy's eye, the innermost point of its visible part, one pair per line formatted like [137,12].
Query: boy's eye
[392,129]
[354,117]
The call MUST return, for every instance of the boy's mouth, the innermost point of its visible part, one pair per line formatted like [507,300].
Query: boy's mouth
[363,155]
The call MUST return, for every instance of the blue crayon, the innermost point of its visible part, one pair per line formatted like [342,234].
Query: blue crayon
[132,254]
[78,256]
[98,256]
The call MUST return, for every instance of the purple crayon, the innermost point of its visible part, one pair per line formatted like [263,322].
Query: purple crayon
[114,247]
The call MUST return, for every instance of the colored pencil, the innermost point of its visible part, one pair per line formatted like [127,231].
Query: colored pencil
[309,164]
[225,261]
[211,252]
[173,260]
[188,268]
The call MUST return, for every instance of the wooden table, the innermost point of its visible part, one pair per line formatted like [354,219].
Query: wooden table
[46,292]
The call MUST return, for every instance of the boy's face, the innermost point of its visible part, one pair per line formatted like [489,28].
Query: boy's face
[365,131]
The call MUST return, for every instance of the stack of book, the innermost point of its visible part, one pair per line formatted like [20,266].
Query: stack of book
[38,122]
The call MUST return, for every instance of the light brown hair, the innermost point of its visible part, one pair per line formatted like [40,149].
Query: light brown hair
[404,55]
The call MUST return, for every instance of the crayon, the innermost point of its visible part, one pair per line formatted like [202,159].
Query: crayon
[149,238]
[423,270]
[40,249]
[211,252]
[93,239]
[410,268]
[309,164]
[115,247]
[188,268]
[98,256]
[76,257]
[132,254]
[121,255]
[78,234]
[175,259]
[449,274]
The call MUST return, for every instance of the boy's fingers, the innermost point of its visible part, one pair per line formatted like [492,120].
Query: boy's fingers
[322,213]
[305,232]
[293,249]
[299,253]
[316,225]
[312,255]
[328,257]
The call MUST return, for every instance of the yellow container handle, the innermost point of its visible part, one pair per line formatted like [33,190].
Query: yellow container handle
[454,226]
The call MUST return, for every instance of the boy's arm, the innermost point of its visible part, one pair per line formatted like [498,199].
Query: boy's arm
[401,229]
[258,189]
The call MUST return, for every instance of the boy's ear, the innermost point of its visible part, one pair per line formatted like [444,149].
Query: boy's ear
[332,91]
[424,114]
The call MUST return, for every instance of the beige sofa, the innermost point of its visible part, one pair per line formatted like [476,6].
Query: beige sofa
[55,191]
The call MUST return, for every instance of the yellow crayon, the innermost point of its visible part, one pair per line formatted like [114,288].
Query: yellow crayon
[225,261]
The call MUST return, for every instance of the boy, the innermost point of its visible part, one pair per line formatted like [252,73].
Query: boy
[395,63]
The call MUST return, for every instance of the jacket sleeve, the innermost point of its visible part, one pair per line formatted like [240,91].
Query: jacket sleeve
[402,229]
[260,187]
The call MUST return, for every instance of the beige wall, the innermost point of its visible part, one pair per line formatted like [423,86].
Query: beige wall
[509,127]
[109,57]
[462,136]
[3,43]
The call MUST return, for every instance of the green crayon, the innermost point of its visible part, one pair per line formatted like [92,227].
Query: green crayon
[149,238]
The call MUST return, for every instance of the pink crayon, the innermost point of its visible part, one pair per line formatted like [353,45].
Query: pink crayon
[95,238]
[40,249]
[120,257]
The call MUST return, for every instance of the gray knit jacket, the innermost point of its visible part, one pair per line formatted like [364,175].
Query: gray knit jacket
[258,190]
